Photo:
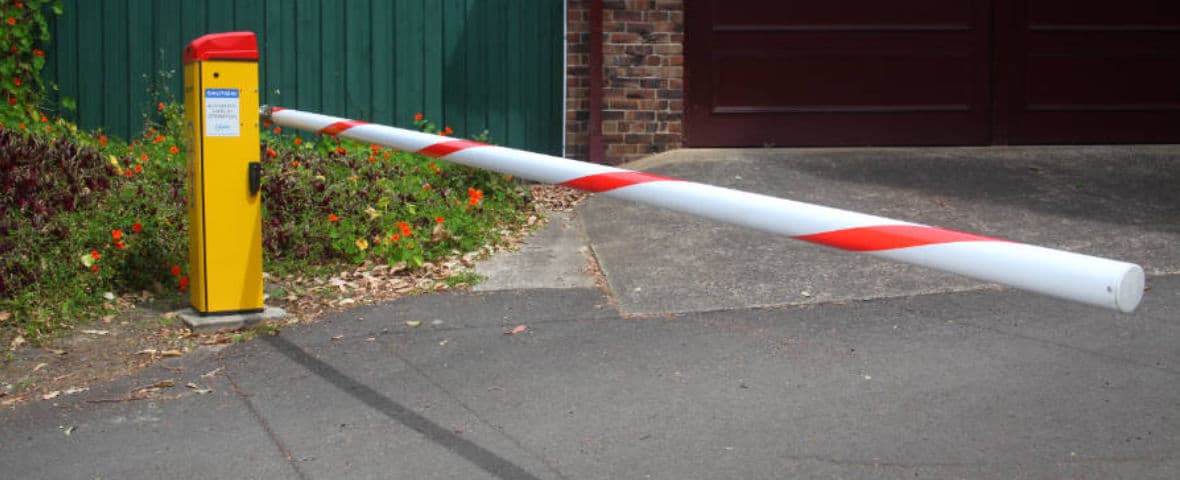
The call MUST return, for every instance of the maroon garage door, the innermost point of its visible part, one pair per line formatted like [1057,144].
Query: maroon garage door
[928,72]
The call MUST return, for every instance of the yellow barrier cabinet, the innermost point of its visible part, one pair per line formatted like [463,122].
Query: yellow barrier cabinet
[224,175]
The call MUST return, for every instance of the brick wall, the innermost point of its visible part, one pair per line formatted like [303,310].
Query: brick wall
[643,78]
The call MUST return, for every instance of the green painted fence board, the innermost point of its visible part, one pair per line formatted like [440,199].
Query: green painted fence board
[384,87]
[469,64]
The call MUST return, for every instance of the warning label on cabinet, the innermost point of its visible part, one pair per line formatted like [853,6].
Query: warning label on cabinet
[222,112]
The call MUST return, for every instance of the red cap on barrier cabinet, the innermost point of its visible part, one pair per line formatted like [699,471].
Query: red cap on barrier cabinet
[222,46]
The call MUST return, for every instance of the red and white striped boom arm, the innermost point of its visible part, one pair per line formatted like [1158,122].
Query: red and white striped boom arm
[1083,278]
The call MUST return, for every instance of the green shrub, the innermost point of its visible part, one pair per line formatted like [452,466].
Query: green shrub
[25,32]
[360,202]
[83,214]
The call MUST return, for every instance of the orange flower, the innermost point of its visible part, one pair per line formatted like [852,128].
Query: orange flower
[175,270]
[270,152]
[374,147]
[372,159]
[405,228]
[474,196]
[174,150]
[95,255]
[417,116]
[295,164]
[116,234]
[278,130]
[298,140]
[426,187]
[341,151]
[129,174]
[438,220]
[102,140]
[448,130]
[333,218]
[395,237]
[136,227]
[143,157]
[158,139]
[120,244]
[386,155]
[44,119]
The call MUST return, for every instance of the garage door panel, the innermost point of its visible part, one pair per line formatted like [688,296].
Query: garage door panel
[1102,83]
[1091,71]
[839,72]
[850,83]
[931,72]
[1100,13]
[838,14]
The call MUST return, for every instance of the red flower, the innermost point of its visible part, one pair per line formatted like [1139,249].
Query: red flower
[405,228]
[160,107]
[12,20]
[120,244]
[116,234]
[298,140]
[270,152]
[333,218]
[138,169]
[183,283]
[94,268]
[102,140]
[386,155]
[374,147]
[38,52]
[95,255]
[278,130]
[16,81]
[136,227]
[372,159]
[12,100]
[175,271]
[20,5]
[448,130]
[129,174]
[174,150]
[158,139]
[295,164]
[474,196]
[143,157]
[417,116]
[438,220]
[44,119]
[395,237]
[341,151]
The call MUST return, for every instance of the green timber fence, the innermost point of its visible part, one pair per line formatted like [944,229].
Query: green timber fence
[469,64]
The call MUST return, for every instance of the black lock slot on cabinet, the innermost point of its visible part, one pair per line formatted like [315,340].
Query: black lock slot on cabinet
[255,177]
